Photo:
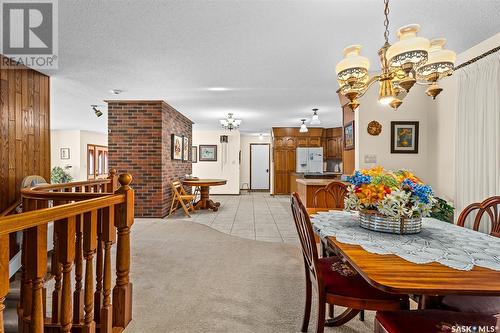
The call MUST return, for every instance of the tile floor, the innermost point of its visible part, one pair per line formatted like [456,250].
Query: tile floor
[256,215]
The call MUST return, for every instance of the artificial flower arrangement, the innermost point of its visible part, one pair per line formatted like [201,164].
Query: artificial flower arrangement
[394,194]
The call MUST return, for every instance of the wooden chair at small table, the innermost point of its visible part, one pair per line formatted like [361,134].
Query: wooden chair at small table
[181,197]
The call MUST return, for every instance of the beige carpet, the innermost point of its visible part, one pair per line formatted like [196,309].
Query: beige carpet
[191,278]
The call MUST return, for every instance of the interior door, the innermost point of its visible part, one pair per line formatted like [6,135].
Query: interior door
[259,166]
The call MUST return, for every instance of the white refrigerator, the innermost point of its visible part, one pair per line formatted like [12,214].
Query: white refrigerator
[309,160]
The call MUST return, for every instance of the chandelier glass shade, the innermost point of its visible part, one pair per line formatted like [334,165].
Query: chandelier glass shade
[230,123]
[410,60]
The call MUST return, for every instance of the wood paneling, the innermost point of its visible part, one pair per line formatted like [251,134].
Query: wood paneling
[24,129]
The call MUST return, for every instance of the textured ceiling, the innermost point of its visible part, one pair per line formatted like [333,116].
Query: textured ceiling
[276,57]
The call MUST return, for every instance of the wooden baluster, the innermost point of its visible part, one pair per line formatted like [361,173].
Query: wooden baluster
[24,307]
[57,272]
[36,261]
[4,275]
[108,237]
[124,218]
[96,188]
[78,293]
[113,184]
[66,230]
[89,248]
[98,278]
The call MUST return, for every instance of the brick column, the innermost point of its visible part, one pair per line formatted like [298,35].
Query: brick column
[139,143]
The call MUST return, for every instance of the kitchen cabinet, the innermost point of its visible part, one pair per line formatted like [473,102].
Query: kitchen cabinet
[333,143]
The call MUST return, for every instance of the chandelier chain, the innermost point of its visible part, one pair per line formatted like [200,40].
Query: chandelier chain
[386,21]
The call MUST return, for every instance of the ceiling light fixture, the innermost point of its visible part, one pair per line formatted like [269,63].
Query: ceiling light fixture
[261,136]
[230,123]
[303,127]
[315,118]
[218,89]
[410,60]
[116,91]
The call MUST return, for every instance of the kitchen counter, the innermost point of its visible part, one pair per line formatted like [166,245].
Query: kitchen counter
[307,188]
[331,175]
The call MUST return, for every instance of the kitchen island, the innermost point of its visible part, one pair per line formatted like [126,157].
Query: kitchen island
[294,176]
[306,188]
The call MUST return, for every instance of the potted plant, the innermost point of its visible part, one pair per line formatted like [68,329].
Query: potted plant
[60,175]
[389,201]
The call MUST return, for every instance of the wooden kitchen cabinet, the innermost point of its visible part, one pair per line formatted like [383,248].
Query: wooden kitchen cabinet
[333,143]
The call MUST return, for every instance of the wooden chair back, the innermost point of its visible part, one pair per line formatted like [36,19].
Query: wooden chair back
[306,236]
[490,207]
[331,196]
[178,189]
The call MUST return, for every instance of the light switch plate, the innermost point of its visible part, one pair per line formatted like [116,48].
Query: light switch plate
[370,158]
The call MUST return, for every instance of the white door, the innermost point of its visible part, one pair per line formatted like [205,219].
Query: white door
[259,166]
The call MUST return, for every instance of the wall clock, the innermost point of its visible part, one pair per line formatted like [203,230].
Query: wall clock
[374,127]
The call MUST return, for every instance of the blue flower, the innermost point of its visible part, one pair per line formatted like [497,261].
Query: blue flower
[358,179]
[422,192]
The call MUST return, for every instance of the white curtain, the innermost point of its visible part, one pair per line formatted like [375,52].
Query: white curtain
[477,155]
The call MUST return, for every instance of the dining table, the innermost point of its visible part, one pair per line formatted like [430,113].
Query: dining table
[392,273]
[204,184]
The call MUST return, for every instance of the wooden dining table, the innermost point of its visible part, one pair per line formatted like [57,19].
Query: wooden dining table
[205,202]
[396,275]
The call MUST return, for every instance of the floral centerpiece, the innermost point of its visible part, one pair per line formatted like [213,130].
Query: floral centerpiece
[390,201]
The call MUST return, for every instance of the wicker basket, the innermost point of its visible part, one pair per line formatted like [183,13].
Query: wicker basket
[381,223]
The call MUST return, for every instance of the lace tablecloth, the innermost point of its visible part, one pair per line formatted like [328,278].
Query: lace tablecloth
[445,243]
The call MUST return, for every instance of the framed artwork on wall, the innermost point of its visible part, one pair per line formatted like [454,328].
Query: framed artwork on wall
[208,153]
[185,148]
[65,154]
[349,135]
[194,154]
[404,137]
[176,147]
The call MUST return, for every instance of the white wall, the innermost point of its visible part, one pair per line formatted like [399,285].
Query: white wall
[246,140]
[225,167]
[443,123]
[416,107]
[76,141]
[65,139]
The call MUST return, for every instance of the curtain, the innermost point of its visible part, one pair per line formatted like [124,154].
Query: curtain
[477,155]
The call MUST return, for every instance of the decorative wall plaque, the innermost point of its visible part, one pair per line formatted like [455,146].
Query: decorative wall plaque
[374,128]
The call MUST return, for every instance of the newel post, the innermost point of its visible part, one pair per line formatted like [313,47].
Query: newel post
[124,218]
[113,185]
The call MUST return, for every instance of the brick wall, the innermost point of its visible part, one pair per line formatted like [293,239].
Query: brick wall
[139,143]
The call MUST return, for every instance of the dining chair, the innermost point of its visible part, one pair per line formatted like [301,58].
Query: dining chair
[471,303]
[180,197]
[433,321]
[331,196]
[336,283]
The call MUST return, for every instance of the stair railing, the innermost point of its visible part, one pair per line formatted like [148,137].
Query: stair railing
[89,218]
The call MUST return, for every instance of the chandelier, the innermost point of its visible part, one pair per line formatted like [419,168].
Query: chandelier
[412,59]
[230,123]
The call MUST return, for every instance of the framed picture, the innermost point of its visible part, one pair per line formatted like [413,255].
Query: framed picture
[208,153]
[64,153]
[185,148]
[349,136]
[176,147]
[404,137]
[194,154]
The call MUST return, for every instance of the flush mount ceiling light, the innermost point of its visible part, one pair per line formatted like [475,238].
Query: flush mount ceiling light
[230,123]
[217,89]
[116,91]
[315,118]
[303,127]
[410,60]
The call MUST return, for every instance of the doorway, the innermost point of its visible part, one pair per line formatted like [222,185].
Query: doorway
[259,166]
[97,162]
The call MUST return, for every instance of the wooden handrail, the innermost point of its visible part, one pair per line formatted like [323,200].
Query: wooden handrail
[10,209]
[39,217]
[86,225]
[59,186]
